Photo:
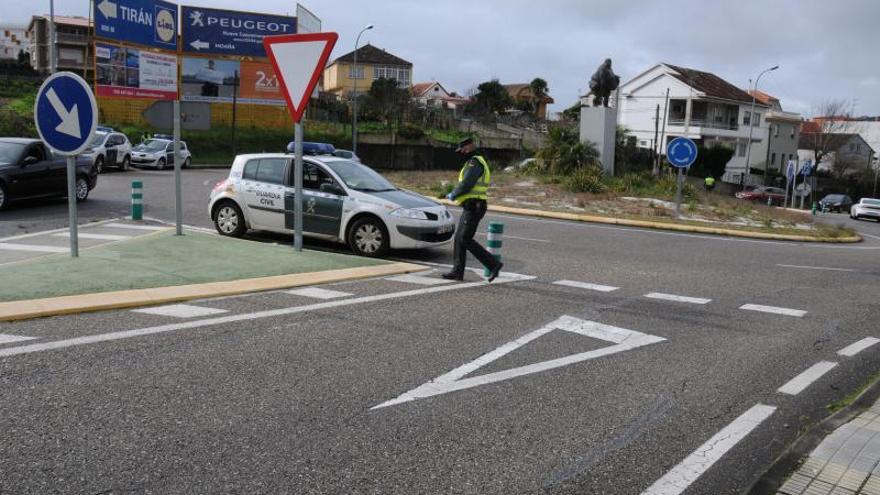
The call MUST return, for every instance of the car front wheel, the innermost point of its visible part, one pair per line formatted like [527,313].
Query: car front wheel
[186,163]
[228,220]
[161,164]
[99,165]
[81,189]
[368,237]
[4,199]
[126,164]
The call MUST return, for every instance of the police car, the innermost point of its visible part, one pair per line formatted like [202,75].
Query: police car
[343,201]
[109,149]
[158,152]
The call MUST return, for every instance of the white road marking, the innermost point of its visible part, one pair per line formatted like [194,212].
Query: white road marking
[857,347]
[869,235]
[585,285]
[97,237]
[452,381]
[674,298]
[180,311]
[63,229]
[825,268]
[693,466]
[773,309]
[152,228]
[34,248]
[5,338]
[797,384]
[506,236]
[318,293]
[127,334]
[418,279]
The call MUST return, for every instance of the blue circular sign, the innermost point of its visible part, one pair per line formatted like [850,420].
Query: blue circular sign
[65,113]
[681,152]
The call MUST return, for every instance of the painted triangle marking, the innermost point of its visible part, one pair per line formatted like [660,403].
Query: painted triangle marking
[299,60]
[620,338]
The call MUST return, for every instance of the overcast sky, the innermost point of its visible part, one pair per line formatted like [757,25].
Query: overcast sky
[825,49]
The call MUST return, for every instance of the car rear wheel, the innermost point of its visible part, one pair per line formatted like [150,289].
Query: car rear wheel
[126,164]
[228,220]
[161,164]
[81,189]
[3,197]
[368,237]
[99,164]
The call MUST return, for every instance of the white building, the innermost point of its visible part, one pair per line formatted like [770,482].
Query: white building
[433,94]
[701,106]
[13,39]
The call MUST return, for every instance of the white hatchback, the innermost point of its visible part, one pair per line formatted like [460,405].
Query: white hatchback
[343,201]
[865,208]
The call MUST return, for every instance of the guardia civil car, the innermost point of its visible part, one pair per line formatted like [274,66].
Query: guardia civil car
[343,201]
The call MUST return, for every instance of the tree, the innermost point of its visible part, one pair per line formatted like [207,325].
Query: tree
[832,118]
[386,100]
[23,58]
[491,97]
[539,91]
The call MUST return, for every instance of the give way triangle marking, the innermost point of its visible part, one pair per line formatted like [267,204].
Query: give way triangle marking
[299,60]
[621,339]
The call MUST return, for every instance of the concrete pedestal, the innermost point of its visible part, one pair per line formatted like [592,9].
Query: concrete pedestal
[599,126]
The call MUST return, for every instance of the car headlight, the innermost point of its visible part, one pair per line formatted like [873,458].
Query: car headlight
[409,213]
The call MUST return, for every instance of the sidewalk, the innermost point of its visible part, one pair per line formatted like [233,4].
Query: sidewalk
[847,462]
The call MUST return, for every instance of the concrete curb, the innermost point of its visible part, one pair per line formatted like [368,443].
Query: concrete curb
[102,301]
[663,225]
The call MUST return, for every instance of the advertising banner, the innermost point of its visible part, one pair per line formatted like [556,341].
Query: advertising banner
[135,73]
[259,84]
[145,22]
[208,79]
[306,21]
[228,32]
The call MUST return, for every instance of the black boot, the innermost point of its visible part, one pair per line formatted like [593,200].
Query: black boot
[453,276]
[494,273]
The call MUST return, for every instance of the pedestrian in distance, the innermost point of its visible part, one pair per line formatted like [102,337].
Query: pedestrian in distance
[471,193]
[709,183]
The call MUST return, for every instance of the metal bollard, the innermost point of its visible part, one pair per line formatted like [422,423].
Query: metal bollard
[770,201]
[137,200]
[493,242]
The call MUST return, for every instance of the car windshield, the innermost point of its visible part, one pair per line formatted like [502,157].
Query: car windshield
[871,202]
[360,177]
[98,139]
[9,152]
[152,145]
[834,197]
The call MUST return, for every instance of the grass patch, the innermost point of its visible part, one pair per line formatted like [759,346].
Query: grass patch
[852,396]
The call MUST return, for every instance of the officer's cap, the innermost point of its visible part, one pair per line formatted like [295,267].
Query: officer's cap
[464,142]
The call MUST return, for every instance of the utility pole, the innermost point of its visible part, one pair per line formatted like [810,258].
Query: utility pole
[354,103]
[53,57]
[662,145]
[234,105]
[752,125]
[656,170]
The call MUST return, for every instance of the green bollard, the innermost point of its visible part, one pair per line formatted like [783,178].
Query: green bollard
[814,208]
[493,242]
[137,200]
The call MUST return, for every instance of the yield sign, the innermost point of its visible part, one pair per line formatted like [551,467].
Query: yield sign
[298,60]
[620,338]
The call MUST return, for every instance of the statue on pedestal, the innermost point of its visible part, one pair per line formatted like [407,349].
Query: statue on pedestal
[603,82]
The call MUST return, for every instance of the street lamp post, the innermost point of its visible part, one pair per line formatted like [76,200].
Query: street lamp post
[752,126]
[354,104]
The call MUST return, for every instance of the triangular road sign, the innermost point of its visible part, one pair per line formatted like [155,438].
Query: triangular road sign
[621,339]
[298,60]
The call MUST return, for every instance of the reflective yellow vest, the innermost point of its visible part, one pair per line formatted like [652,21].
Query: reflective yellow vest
[710,181]
[481,188]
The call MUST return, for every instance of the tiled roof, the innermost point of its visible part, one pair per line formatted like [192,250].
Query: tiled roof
[762,97]
[419,89]
[515,89]
[710,84]
[71,21]
[831,141]
[369,54]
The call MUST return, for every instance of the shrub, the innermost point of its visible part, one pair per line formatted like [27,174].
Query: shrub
[563,152]
[586,179]
[409,131]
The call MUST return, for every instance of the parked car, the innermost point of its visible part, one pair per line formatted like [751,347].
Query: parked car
[866,208]
[761,194]
[343,201]
[159,154]
[28,169]
[348,155]
[835,202]
[109,149]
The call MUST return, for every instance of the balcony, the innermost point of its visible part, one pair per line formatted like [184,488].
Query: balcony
[78,39]
[706,124]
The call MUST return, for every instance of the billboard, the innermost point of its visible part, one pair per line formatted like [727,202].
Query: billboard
[228,32]
[259,84]
[134,73]
[144,22]
[213,80]
[306,22]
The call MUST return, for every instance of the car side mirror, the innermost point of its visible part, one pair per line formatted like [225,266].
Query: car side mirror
[330,188]
[30,160]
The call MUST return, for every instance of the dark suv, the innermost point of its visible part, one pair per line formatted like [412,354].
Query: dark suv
[28,169]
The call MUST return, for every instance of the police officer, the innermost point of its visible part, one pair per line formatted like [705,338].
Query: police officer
[471,193]
[709,183]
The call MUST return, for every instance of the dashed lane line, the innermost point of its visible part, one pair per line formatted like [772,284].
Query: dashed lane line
[127,334]
[318,293]
[677,480]
[773,310]
[797,384]
[823,268]
[857,347]
[6,338]
[585,285]
[674,298]
[33,248]
[180,311]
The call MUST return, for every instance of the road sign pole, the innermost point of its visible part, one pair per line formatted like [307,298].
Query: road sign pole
[678,194]
[71,205]
[178,194]
[298,187]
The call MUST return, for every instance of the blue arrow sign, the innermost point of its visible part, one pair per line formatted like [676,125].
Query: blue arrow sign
[681,152]
[65,113]
[228,32]
[789,170]
[145,22]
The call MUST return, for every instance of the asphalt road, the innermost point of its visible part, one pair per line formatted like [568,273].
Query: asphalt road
[538,384]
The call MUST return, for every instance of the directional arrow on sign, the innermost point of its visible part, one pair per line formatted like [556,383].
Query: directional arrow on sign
[620,338]
[107,8]
[69,119]
[298,60]
[200,45]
